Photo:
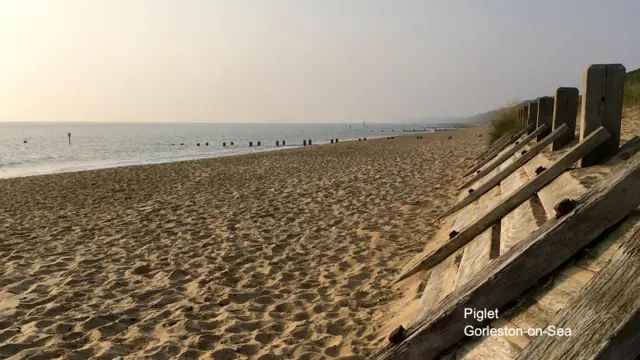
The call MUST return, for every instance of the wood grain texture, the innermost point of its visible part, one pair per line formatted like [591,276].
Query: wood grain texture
[434,291]
[503,173]
[564,186]
[483,222]
[605,318]
[504,156]
[497,150]
[477,254]
[521,221]
[565,111]
[493,146]
[527,262]
[602,106]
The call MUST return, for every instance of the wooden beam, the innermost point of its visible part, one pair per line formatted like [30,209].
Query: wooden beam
[602,106]
[505,155]
[494,181]
[532,116]
[510,275]
[601,316]
[430,259]
[493,146]
[497,150]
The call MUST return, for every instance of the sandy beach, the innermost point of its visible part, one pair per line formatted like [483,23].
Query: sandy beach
[277,255]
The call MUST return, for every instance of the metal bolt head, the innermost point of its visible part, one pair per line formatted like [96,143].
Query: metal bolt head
[397,335]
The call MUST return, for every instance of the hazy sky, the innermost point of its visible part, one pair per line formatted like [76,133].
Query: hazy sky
[298,60]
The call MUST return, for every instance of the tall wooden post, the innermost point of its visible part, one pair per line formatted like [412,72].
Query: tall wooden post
[525,114]
[545,115]
[532,116]
[603,93]
[69,135]
[565,111]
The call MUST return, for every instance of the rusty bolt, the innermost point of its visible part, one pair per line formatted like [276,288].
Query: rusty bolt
[471,190]
[453,234]
[523,152]
[540,169]
[397,335]
[564,207]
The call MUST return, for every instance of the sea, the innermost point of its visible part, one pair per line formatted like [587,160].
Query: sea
[28,149]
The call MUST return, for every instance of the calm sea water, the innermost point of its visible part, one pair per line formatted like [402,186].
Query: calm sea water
[109,145]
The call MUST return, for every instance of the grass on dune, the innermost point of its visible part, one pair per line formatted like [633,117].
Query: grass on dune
[505,122]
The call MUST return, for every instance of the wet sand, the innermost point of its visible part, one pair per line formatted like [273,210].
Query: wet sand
[277,255]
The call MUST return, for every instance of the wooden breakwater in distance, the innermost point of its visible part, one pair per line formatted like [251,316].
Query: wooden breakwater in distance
[500,248]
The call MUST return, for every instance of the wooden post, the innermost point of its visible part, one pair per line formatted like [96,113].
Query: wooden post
[534,257]
[224,144]
[283,143]
[532,116]
[564,112]
[69,135]
[304,142]
[332,141]
[603,93]
[309,141]
[277,143]
[198,144]
[520,116]
[545,115]
[232,143]
[250,143]
[258,143]
[336,140]
[525,114]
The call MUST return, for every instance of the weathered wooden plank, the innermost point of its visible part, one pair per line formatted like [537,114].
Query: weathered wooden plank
[495,180]
[577,273]
[564,186]
[520,341]
[430,259]
[497,150]
[595,257]
[504,156]
[520,222]
[485,348]
[465,217]
[477,254]
[434,290]
[604,319]
[493,146]
[562,290]
[527,262]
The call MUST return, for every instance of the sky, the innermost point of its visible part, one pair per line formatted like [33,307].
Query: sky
[298,60]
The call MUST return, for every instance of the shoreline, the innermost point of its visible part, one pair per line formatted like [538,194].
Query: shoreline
[281,254]
[181,158]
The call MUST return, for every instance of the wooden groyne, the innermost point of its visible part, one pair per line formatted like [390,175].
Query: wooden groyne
[534,239]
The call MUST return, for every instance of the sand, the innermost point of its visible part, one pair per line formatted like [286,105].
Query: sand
[279,255]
